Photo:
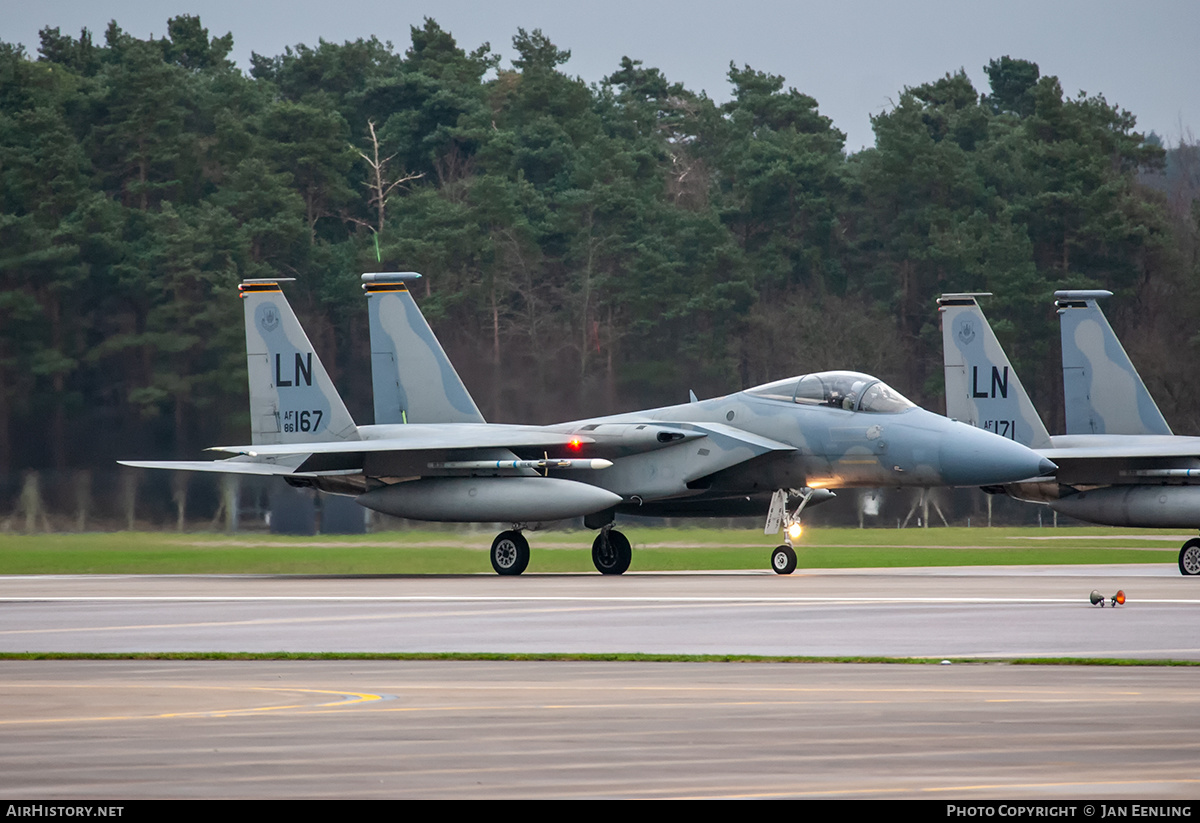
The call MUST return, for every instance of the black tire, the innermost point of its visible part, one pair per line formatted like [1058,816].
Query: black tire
[611,552]
[510,553]
[1189,558]
[783,560]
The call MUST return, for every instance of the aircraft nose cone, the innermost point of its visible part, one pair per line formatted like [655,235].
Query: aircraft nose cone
[974,457]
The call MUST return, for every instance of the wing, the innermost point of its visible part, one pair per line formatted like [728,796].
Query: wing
[1121,447]
[402,449]
[1123,459]
[425,437]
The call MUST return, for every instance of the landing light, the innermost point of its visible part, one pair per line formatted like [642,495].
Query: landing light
[794,531]
[1118,599]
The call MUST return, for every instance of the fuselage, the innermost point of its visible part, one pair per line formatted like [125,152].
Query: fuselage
[849,431]
[831,448]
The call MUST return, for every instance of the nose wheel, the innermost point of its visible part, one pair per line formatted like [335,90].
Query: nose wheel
[781,516]
[783,560]
[611,552]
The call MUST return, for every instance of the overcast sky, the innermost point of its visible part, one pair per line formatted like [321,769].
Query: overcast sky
[853,56]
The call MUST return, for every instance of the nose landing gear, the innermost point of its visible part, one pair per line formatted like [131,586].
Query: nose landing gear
[783,558]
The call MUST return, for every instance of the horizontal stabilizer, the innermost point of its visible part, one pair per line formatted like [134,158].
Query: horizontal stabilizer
[222,466]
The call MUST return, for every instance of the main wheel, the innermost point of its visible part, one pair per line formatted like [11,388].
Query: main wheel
[783,560]
[611,552]
[1189,558]
[510,553]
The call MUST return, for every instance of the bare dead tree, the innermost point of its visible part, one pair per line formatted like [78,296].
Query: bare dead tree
[380,185]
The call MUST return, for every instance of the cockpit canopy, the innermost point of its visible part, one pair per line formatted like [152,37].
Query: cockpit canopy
[849,390]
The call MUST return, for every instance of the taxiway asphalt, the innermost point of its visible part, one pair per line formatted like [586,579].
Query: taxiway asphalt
[485,729]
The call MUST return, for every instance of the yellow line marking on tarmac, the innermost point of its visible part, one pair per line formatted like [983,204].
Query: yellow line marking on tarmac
[368,700]
[487,709]
[349,699]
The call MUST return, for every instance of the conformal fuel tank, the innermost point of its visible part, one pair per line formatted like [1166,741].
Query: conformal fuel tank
[481,499]
[1162,507]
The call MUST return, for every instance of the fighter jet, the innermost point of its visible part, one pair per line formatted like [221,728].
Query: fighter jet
[434,458]
[1119,464]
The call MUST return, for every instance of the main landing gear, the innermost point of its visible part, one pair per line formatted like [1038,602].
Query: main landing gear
[510,552]
[611,552]
[1189,558]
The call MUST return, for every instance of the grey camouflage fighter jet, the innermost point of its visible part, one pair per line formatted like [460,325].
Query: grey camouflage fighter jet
[431,456]
[1119,464]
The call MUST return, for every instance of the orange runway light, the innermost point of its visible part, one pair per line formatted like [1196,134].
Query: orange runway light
[1118,599]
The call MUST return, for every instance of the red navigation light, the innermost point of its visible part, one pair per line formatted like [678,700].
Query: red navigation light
[575,445]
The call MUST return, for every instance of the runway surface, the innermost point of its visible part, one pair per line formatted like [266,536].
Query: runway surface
[981,612]
[449,729]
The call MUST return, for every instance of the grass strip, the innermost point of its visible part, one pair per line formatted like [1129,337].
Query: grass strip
[589,658]
[655,549]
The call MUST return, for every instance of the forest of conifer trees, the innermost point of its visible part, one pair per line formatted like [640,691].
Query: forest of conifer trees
[586,248]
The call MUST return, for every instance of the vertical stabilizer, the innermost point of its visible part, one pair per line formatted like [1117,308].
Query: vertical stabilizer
[981,386]
[412,378]
[1102,391]
[292,399]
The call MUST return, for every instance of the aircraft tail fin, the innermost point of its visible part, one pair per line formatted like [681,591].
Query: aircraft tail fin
[292,398]
[981,386]
[413,379]
[1102,391]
